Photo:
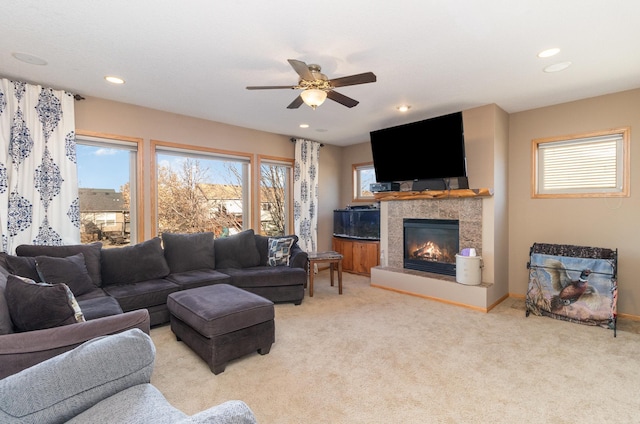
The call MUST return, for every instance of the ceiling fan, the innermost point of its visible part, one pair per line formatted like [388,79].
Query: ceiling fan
[317,87]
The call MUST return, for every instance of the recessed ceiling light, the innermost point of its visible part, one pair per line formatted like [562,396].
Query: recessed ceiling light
[114,80]
[403,108]
[304,125]
[549,52]
[29,58]
[556,67]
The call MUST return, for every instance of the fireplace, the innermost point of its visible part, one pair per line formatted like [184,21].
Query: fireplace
[431,245]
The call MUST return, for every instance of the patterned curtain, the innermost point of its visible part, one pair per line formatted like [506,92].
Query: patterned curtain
[38,176]
[305,193]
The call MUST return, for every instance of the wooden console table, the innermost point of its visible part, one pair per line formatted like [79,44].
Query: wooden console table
[334,259]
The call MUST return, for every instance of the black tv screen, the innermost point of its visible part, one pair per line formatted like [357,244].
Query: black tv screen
[423,150]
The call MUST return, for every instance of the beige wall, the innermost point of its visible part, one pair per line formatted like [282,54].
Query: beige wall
[357,153]
[104,116]
[611,223]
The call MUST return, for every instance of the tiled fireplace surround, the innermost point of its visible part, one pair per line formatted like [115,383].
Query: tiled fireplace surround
[392,275]
[467,211]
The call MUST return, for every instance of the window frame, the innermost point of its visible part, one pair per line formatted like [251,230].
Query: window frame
[622,153]
[289,165]
[136,186]
[197,152]
[356,181]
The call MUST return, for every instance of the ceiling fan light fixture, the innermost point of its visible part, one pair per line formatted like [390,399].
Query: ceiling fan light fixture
[313,97]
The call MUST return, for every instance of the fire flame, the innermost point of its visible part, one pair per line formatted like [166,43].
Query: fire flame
[427,251]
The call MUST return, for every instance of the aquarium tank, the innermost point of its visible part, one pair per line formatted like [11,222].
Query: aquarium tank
[357,223]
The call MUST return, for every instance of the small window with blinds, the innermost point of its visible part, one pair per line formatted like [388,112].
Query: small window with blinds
[586,165]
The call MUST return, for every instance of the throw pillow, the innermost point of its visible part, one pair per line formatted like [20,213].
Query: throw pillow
[132,264]
[36,306]
[91,252]
[262,243]
[280,250]
[237,251]
[70,270]
[23,266]
[188,252]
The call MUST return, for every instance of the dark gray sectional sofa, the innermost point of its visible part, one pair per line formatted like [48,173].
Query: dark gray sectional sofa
[122,288]
[141,276]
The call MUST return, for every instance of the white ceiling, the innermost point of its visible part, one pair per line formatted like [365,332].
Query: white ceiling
[196,57]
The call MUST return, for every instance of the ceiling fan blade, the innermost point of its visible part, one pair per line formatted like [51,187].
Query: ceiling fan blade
[302,69]
[342,99]
[269,87]
[364,78]
[296,103]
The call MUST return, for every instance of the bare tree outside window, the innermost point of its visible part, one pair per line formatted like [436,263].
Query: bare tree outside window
[273,179]
[196,195]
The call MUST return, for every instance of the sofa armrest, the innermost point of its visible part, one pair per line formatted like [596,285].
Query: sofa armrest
[62,387]
[230,412]
[298,258]
[19,351]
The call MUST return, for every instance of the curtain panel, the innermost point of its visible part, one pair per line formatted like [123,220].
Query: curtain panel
[305,186]
[38,175]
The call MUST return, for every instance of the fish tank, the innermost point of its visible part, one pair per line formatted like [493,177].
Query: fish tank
[357,223]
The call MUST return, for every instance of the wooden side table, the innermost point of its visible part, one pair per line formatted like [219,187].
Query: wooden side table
[334,259]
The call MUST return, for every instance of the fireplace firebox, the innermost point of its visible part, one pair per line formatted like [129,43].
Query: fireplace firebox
[431,245]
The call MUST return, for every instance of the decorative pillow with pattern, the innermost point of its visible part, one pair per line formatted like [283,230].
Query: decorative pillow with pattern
[280,250]
[36,306]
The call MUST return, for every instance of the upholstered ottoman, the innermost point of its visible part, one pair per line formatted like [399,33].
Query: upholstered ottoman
[222,322]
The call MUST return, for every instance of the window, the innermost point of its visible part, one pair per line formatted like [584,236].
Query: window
[199,189]
[275,196]
[363,176]
[587,165]
[107,188]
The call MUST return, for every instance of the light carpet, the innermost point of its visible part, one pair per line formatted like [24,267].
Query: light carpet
[375,356]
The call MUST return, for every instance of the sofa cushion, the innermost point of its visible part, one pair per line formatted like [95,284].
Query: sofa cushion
[197,278]
[35,306]
[6,326]
[98,307]
[70,270]
[143,294]
[266,276]
[132,264]
[91,252]
[188,252]
[237,250]
[280,250]
[22,266]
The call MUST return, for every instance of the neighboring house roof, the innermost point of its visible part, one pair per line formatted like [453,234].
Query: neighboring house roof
[230,192]
[220,191]
[100,200]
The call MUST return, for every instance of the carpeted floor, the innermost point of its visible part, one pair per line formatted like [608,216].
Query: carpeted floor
[375,356]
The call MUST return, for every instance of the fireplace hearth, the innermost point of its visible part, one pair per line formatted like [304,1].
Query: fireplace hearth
[431,245]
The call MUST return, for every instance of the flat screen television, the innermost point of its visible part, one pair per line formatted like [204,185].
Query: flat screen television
[424,150]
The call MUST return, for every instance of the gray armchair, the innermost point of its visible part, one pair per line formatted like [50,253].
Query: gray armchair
[105,380]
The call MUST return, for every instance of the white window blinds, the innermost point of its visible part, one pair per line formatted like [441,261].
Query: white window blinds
[581,165]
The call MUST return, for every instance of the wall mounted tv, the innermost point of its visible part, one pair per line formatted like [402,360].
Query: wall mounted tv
[432,149]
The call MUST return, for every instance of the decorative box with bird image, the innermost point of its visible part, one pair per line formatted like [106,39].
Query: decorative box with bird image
[573,283]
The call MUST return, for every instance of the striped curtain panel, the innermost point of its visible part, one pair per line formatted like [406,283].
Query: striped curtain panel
[38,175]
